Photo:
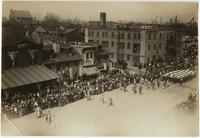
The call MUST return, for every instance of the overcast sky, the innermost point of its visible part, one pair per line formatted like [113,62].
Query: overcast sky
[136,11]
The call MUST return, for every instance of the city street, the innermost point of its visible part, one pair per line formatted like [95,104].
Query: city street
[151,114]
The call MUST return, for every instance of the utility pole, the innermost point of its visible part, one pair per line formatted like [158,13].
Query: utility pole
[119,37]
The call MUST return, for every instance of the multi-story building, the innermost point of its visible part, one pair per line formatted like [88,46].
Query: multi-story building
[95,57]
[20,16]
[65,62]
[136,44]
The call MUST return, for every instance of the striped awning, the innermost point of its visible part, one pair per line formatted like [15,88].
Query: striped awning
[16,77]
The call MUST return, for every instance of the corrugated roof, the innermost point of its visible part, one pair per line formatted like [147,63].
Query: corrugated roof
[16,77]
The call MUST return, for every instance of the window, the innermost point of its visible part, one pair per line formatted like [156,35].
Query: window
[128,45]
[106,34]
[128,57]
[112,44]
[134,48]
[103,34]
[97,34]
[113,34]
[112,55]
[160,35]
[138,36]
[149,36]
[91,55]
[134,35]
[92,33]
[89,33]
[121,45]
[154,36]
[122,35]
[129,36]
[154,47]
[87,55]
[160,46]
[149,47]
[154,57]
[167,35]
[170,34]
[105,43]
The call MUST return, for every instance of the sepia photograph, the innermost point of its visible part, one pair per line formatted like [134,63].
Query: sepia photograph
[99,68]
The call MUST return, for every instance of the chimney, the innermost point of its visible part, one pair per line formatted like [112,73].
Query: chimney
[103,19]
[176,19]
[170,20]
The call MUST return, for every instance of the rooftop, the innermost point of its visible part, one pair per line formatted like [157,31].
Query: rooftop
[64,57]
[139,26]
[69,30]
[85,45]
[40,29]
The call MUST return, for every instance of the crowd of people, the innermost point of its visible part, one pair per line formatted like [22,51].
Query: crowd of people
[158,69]
[69,91]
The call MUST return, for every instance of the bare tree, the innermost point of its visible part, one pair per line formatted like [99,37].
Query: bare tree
[52,18]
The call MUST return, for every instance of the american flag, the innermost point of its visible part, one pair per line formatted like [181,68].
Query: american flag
[179,74]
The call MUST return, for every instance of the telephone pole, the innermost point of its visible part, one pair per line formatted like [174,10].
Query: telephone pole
[119,37]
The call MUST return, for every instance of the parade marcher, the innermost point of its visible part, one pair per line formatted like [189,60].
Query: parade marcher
[153,85]
[167,84]
[38,112]
[15,112]
[88,95]
[110,102]
[54,121]
[190,97]
[120,86]
[135,88]
[181,81]
[124,87]
[148,85]
[50,118]
[158,82]
[140,89]
[102,99]
[49,104]
[46,117]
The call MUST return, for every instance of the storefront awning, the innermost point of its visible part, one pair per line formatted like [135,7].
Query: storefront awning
[90,70]
[16,77]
